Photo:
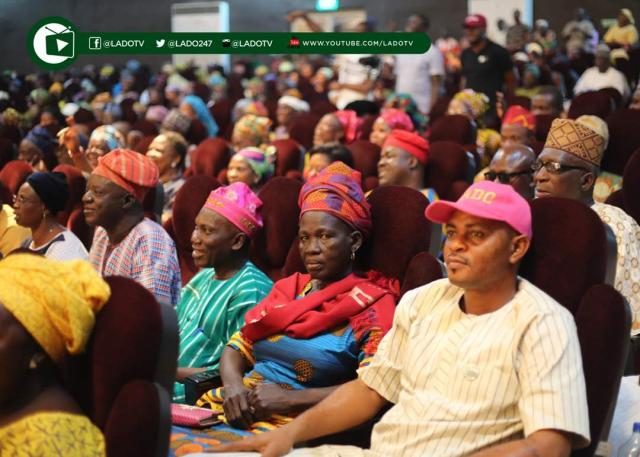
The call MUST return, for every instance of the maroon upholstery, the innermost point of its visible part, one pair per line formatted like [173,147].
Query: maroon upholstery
[365,159]
[6,152]
[77,186]
[596,103]
[302,127]
[6,197]
[322,107]
[616,199]
[453,127]
[448,163]
[197,132]
[142,146]
[147,128]
[209,157]
[456,190]
[400,230]
[139,423]
[439,109]
[543,125]
[613,95]
[280,212]
[14,174]
[521,100]
[603,320]
[563,261]
[422,269]
[80,228]
[289,156]
[221,112]
[624,139]
[367,126]
[631,186]
[134,338]
[188,203]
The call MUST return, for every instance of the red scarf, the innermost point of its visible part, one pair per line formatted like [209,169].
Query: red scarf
[323,310]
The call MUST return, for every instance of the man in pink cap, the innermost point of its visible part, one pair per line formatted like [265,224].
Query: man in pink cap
[480,364]
[486,66]
[213,304]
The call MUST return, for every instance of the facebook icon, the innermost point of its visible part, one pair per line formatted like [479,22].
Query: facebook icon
[95,43]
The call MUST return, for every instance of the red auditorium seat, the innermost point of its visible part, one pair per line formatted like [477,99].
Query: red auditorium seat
[124,380]
[366,156]
[188,203]
[14,174]
[289,156]
[448,163]
[543,125]
[453,127]
[280,213]
[209,158]
[302,127]
[624,139]
[77,187]
[596,103]
[577,269]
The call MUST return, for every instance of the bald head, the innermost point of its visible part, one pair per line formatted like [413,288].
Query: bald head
[512,165]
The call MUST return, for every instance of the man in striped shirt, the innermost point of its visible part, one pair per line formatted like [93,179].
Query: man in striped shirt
[479,364]
[213,304]
[125,243]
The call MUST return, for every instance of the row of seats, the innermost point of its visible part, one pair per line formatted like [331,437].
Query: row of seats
[130,361]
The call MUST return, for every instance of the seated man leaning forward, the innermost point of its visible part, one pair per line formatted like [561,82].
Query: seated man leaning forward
[125,243]
[213,304]
[480,364]
[312,332]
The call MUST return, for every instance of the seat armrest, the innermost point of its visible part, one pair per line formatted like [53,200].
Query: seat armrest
[200,383]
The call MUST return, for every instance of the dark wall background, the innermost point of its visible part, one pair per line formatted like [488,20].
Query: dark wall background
[17,17]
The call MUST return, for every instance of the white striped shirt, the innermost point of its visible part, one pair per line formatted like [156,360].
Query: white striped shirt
[464,382]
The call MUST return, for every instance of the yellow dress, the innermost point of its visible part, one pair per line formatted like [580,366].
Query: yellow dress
[52,434]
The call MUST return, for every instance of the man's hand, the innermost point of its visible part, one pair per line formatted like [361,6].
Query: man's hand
[69,139]
[267,399]
[236,406]
[272,444]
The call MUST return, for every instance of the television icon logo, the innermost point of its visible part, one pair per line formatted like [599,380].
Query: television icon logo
[95,43]
[54,41]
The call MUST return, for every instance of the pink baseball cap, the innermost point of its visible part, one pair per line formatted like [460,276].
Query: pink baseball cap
[488,200]
[239,205]
[473,21]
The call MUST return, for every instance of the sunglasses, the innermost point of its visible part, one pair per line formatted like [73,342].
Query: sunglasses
[555,168]
[504,178]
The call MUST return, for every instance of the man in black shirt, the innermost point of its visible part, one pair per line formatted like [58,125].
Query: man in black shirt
[486,66]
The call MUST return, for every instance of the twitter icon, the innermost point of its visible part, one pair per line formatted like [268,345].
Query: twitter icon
[160,43]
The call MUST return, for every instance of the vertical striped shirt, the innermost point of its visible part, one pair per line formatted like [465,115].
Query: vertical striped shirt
[464,382]
[627,233]
[147,255]
[211,311]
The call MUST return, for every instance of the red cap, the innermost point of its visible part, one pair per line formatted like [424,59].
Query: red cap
[411,142]
[517,115]
[474,21]
[488,200]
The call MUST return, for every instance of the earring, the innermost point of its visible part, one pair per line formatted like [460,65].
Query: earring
[33,364]
[353,255]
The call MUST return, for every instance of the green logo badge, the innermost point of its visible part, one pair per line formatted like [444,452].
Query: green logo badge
[52,43]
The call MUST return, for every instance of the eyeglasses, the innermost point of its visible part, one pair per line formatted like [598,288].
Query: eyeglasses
[21,200]
[505,178]
[554,167]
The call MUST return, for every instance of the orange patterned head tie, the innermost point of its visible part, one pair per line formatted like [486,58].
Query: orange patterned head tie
[336,190]
[572,137]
